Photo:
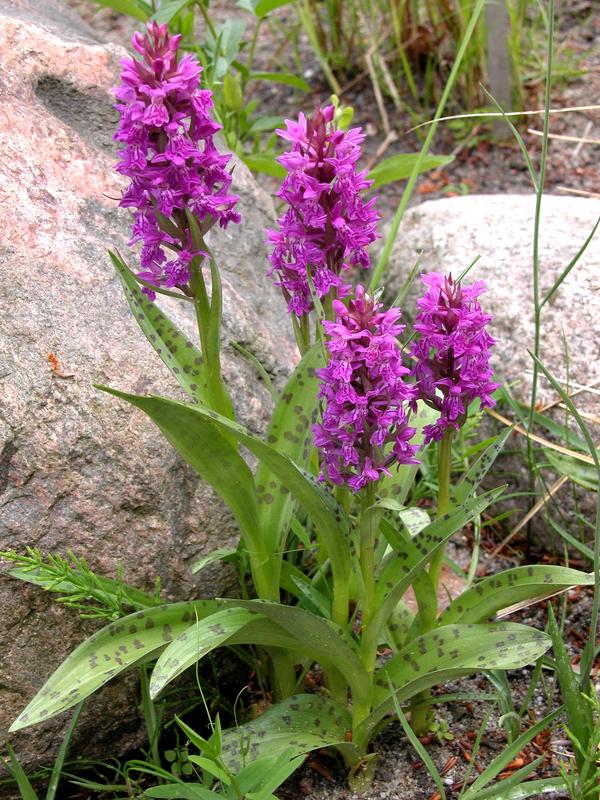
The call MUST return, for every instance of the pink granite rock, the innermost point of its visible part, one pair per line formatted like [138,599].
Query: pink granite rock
[78,469]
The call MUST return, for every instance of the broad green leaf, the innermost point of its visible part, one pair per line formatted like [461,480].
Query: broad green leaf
[585,475]
[196,435]
[170,9]
[399,568]
[220,554]
[230,625]
[230,37]
[108,652]
[451,651]
[477,472]
[131,8]
[177,352]
[329,643]
[300,723]
[289,433]
[282,77]
[399,624]
[262,162]
[396,486]
[400,167]
[307,590]
[512,589]
[259,779]
[190,429]
[262,124]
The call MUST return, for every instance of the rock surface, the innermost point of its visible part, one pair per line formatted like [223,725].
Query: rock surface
[78,469]
[452,232]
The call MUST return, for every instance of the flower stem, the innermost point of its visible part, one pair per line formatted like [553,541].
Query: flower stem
[426,592]
[443,504]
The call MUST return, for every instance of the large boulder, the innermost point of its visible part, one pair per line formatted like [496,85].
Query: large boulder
[78,469]
[451,233]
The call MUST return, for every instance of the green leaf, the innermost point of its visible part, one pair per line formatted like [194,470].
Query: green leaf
[399,624]
[232,91]
[400,167]
[399,568]
[230,625]
[508,754]
[480,468]
[259,779]
[267,123]
[62,754]
[260,8]
[535,789]
[108,652]
[131,8]
[300,723]
[512,589]
[579,713]
[450,651]
[191,429]
[282,77]
[507,785]
[262,162]
[220,554]
[230,37]
[289,433]
[168,10]
[396,486]
[18,774]
[193,433]
[176,351]
[585,475]
[320,638]
[181,791]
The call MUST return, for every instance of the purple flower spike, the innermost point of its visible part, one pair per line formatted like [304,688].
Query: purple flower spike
[327,225]
[365,418]
[169,156]
[453,352]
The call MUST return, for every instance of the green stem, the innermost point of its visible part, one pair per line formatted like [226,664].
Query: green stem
[284,673]
[369,525]
[443,505]
[426,592]
[150,718]
[302,333]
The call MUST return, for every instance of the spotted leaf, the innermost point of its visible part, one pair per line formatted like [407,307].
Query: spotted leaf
[512,589]
[176,351]
[477,472]
[188,428]
[290,432]
[451,651]
[232,625]
[299,724]
[108,652]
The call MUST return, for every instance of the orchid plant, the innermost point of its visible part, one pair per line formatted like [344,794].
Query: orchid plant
[341,452]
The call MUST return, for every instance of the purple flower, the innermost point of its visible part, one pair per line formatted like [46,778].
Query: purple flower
[364,429]
[169,156]
[453,352]
[327,225]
